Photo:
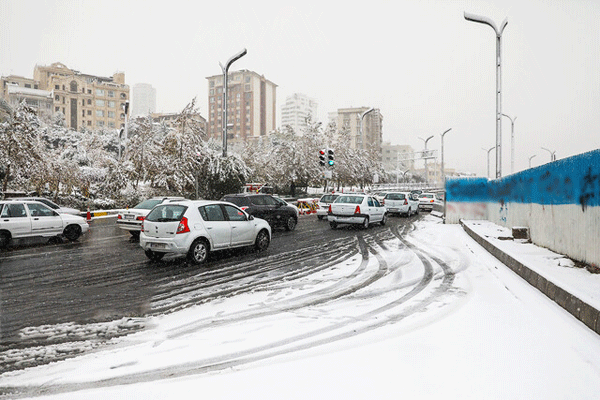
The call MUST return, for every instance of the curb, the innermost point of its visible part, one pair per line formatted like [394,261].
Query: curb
[584,312]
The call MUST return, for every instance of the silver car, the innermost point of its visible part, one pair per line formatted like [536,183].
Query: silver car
[359,209]
[131,219]
[404,203]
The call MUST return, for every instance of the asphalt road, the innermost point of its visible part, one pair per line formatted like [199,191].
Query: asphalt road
[62,292]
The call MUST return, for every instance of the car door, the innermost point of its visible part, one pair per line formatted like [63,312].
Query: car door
[242,230]
[14,218]
[260,208]
[375,213]
[44,220]
[217,226]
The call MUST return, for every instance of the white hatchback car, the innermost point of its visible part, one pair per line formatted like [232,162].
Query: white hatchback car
[359,209]
[197,227]
[404,203]
[28,218]
[131,219]
[426,201]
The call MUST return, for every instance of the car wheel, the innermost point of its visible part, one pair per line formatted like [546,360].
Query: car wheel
[290,224]
[365,224]
[72,232]
[198,251]
[383,219]
[4,239]
[135,234]
[262,241]
[333,225]
[320,217]
[153,255]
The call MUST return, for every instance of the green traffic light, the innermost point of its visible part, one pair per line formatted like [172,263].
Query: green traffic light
[331,162]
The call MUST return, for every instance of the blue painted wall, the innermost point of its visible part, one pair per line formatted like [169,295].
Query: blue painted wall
[573,180]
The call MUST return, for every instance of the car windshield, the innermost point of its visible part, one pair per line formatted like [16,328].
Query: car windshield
[166,213]
[148,204]
[349,199]
[395,196]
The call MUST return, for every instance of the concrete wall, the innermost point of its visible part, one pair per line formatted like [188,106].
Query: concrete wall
[559,202]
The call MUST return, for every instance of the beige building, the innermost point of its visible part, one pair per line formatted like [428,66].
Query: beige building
[171,120]
[397,157]
[85,100]
[365,133]
[251,109]
[17,89]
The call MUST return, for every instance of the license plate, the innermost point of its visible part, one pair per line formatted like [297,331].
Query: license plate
[393,209]
[158,245]
[128,216]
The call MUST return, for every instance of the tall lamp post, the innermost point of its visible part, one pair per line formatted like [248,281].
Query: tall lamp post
[530,160]
[362,117]
[512,143]
[443,172]
[498,31]
[424,156]
[488,158]
[225,69]
[552,154]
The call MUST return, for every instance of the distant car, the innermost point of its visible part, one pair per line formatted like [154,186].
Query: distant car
[426,201]
[380,196]
[324,203]
[28,218]
[404,203]
[196,227]
[275,211]
[131,219]
[358,209]
[51,204]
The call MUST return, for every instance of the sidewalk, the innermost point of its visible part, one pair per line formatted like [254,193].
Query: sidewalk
[572,287]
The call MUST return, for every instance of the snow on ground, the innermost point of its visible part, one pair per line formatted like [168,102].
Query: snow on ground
[480,333]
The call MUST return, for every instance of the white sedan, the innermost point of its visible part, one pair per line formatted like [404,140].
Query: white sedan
[28,218]
[358,209]
[197,227]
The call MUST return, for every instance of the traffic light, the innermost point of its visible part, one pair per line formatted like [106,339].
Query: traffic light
[322,158]
[331,162]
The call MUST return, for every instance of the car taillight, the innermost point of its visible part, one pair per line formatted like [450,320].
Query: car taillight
[357,210]
[119,216]
[431,201]
[383,202]
[183,226]
[405,202]
[329,210]
[141,218]
[142,227]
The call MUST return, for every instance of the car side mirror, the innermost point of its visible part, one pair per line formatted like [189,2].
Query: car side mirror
[250,217]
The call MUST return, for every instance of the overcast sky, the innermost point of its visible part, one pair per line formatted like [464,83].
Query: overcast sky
[420,62]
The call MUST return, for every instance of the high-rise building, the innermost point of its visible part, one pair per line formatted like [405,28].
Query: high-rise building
[365,133]
[251,109]
[294,113]
[143,99]
[85,100]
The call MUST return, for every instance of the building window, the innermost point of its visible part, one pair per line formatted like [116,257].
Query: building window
[89,92]
[89,112]
[111,114]
[99,92]
[99,113]
[73,86]
[83,102]
[57,109]
[247,88]
[100,123]
[111,124]
[27,85]
[111,93]
[57,97]
[89,123]
[112,104]
[56,87]
[123,96]
[100,103]
[89,101]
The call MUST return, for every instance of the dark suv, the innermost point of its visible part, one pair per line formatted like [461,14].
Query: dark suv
[276,212]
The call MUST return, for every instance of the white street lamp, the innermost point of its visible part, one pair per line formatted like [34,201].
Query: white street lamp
[530,160]
[225,69]
[443,172]
[512,143]
[362,116]
[425,154]
[488,158]
[498,31]
[552,154]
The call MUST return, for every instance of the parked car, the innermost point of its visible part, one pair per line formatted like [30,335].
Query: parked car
[404,203]
[131,218]
[196,227]
[324,203]
[28,218]
[426,201]
[379,196]
[276,212]
[51,204]
[359,209]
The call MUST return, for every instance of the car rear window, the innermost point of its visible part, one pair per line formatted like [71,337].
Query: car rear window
[395,196]
[166,212]
[349,199]
[148,204]
[329,198]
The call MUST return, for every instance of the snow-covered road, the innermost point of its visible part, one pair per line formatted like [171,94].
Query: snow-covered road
[420,314]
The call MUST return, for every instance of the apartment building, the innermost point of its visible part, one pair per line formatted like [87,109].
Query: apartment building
[17,89]
[397,157]
[366,132]
[171,120]
[250,110]
[143,99]
[85,100]
[294,113]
